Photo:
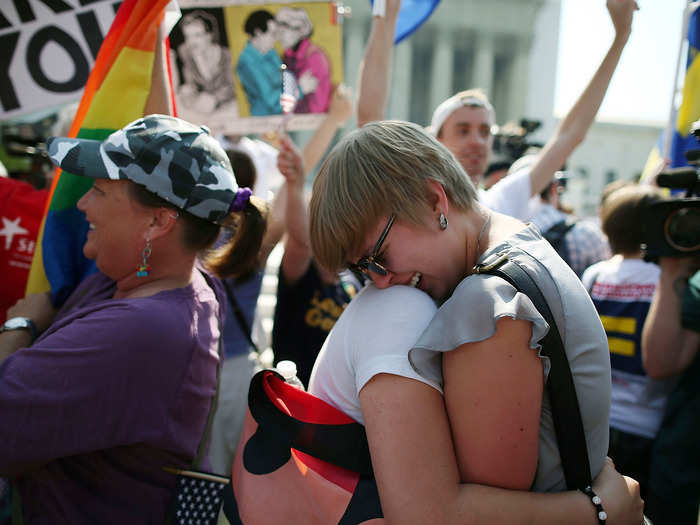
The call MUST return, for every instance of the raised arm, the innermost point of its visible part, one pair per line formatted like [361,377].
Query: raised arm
[159,98]
[572,130]
[293,165]
[375,68]
[339,112]
[667,347]
[416,470]
[297,247]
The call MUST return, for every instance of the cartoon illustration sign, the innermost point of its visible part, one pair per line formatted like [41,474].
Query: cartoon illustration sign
[243,68]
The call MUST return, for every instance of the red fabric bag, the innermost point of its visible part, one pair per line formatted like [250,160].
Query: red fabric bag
[21,211]
[300,461]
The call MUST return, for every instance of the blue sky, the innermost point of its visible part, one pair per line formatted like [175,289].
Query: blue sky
[642,87]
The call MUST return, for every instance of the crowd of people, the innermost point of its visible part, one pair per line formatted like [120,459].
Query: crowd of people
[384,302]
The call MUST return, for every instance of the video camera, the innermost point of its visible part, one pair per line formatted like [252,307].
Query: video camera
[672,227]
[511,142]
[23,141]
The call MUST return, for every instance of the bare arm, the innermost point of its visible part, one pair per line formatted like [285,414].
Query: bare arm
[297,246]
[667,347]
[418,480]
[292,164]
[493,395]
[275,225]
[578,120]
[338,113]
[38,308]
[159,99]
[375,68]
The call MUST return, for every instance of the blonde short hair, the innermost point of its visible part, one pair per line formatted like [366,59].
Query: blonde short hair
[379,169]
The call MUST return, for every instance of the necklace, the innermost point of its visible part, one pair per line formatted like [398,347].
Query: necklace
[481,233]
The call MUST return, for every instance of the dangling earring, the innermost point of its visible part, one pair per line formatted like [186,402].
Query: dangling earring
[443,221]
[144,269]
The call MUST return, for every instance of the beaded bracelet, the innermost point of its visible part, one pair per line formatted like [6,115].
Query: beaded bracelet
[597,503]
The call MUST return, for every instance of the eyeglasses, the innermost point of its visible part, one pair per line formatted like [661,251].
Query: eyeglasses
[368,263]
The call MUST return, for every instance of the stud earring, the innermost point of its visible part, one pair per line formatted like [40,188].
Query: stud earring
[443,221]
[144,269]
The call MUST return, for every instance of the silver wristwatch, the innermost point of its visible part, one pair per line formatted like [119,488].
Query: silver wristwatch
[20,323]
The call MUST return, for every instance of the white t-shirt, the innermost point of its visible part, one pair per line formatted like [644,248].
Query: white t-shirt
[510,195]
[372,336]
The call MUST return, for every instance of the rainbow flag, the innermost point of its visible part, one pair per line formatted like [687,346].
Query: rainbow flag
[115,94]
[689,111]
[655,155]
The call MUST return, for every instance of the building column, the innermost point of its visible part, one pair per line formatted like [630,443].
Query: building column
[519,72]
[356,42]
[442,69]
[482,74]
[400,93]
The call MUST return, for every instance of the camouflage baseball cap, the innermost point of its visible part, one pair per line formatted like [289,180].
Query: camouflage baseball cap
[178,161]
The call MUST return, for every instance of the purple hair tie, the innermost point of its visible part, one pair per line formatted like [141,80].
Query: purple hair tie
[241,199]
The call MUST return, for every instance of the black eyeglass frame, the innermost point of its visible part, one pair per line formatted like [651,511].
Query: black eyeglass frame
[367,263]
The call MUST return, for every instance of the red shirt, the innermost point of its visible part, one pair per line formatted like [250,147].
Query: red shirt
[21,210]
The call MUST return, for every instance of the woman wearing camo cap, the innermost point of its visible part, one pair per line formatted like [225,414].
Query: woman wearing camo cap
[120,381]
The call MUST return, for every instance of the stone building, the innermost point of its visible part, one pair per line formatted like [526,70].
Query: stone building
[508,48]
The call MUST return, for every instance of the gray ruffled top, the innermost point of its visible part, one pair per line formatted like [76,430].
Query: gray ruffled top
[479,301]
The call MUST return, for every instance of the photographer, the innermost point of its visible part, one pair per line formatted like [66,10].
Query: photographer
[670,342]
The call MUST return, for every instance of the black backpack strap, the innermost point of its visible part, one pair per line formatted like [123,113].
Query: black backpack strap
[556,235]
[560,384]
[238,312]
[204,442]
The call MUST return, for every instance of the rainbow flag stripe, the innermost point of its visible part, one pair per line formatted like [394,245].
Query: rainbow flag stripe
[115,94]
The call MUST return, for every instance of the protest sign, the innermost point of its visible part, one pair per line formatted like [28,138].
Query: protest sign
[228,60]
[47,49]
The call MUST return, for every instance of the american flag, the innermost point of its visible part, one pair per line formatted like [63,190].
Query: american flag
[290,90]
[198,498]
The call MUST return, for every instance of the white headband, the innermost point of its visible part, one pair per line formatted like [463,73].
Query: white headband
[449,106]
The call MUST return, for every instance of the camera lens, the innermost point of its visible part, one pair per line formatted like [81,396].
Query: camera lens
[682,229]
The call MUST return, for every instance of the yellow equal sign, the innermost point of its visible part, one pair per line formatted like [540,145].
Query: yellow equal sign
[621,325]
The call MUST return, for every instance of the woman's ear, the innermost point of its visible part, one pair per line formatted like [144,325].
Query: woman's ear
[162,222]
[437,197]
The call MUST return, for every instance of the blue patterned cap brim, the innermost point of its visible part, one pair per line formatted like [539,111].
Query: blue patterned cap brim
[174,159]
[77,156]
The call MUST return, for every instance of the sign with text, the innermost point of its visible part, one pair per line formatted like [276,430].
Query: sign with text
[47,49]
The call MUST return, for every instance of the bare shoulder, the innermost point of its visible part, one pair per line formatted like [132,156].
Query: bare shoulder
[502,227]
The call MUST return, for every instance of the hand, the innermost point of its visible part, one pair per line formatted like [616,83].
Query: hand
[340,108]
[290,163]
[621,13]
[37,307]
[308,83]
[205,103]
[620,496]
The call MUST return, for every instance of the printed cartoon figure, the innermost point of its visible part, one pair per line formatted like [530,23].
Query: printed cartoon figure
[206,69]
[258,65]
[308,62]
